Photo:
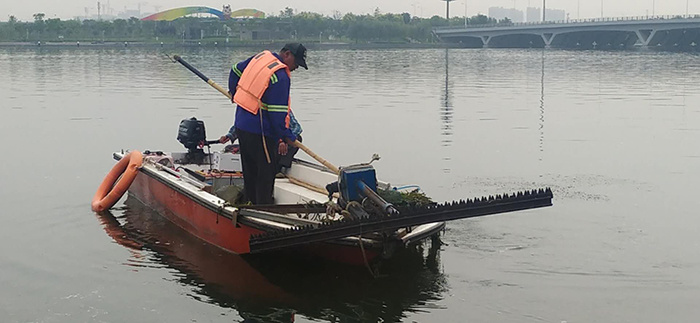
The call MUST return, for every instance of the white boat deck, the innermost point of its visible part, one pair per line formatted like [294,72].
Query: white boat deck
[287,192]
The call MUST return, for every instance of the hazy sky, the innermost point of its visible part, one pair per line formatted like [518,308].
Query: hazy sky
[67,9]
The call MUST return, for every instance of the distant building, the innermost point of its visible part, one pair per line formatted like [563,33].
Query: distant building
[555,15]
[535,14]
[499,13]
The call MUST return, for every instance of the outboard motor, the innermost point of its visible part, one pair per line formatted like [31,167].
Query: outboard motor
[357,182]
[192,135]
[354,180]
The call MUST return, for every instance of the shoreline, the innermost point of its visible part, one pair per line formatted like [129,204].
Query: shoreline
[315,46]
[280,44]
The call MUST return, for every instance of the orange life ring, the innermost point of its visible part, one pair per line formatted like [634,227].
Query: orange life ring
[117,181]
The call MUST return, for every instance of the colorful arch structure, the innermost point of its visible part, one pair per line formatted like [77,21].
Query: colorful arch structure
[172,14]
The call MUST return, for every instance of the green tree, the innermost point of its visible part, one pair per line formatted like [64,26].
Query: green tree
[38,26]
[481,20]
[287,13]
[437,21]
[309,24]
[120,27]
[505,21]
[72,29]
[406,18]
[54,27]
[39,17]
[134,28]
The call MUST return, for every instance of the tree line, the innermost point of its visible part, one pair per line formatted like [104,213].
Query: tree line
[306,26]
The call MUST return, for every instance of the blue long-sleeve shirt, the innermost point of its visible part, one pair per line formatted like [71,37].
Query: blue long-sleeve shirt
[275,101]
[294,126]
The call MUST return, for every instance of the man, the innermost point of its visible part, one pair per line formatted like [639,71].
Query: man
[260,87]
[285,152]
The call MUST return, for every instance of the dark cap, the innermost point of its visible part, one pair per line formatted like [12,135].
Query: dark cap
[299,52]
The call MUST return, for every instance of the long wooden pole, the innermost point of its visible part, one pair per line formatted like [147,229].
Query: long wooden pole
[223,91]
[318,158]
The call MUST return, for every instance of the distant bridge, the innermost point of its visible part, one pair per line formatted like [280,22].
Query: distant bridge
[663,32]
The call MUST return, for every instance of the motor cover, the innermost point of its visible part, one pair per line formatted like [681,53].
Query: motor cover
[349,178]
[191,133]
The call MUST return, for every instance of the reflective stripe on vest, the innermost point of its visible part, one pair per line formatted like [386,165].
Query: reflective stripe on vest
[254,81]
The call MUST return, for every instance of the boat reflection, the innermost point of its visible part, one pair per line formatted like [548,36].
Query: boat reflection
[274,286]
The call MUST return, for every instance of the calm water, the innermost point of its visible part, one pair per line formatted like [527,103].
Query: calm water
[614,134]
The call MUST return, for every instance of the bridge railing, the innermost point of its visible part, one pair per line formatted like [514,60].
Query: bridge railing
[573,21]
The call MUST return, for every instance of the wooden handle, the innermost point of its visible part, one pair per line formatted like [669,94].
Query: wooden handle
[220,89]
[318,158]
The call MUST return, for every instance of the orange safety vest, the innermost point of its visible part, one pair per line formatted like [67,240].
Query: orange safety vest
[255,80]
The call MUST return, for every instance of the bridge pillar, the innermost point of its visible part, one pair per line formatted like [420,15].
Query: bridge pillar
[645,36]
[548,38]
[485,40]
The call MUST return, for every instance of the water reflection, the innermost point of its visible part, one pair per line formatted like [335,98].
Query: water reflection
[541,127]
[446,106]
[274,286]
[446,112]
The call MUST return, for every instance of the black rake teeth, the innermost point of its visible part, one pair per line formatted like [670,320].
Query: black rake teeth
[485,200]
[408,216]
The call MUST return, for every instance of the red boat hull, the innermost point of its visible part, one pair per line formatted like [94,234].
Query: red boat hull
[192,216]
[220,231]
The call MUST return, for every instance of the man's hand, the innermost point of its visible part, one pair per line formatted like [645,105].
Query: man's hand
[224,139]
[282,149]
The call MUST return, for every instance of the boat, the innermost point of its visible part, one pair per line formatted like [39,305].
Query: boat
[337,214]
